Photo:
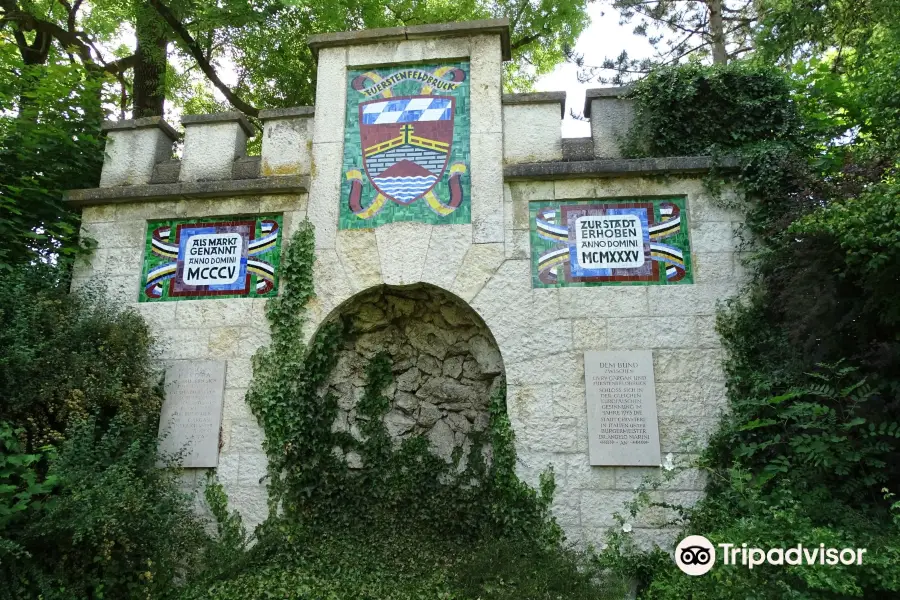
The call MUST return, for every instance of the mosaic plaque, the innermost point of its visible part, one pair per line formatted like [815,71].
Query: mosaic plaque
[621,406]
[610,242]
[406,146]
[214,257]
[192,412]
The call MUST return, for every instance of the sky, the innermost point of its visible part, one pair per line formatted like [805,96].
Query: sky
[603,38]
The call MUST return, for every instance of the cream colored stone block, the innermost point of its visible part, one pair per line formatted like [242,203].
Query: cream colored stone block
[286,146]
[446,250]
[212,313]
[531,133]
[122,289]
[479,264]
[569,401]
[119,234]
[252,469]
[727,207]
[185,344]
[696,299]
[565,367]
[210,150]
[102,213]
[123,261]
[281,203]
[631,333]
[598,507]
[589,334]
[331,100]
[712,237]
[324,194]
[538,338]
[610,121]
[194,207]
[486,69]
[705,334]
[693,365]
[408,51]
[159,315]
[518,244]
[131,154]
[234,206]
[402,248]
[714,267]
[358,252]
[236,342]
[227,469]
[331,282]
[506,300]
[487,188]
[238,373]
[235,407]
[701,398]
[136,211]
[569,189]
[581,475]
[529,191]
[624,301]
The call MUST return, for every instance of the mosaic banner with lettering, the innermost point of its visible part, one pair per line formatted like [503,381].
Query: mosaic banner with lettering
[610,242]
[211,257]
[406,146]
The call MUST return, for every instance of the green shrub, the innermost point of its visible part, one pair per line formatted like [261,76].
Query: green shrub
[66,356]
[78,373]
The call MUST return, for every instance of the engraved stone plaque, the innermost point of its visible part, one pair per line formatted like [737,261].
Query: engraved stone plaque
[621,405]
[192,411]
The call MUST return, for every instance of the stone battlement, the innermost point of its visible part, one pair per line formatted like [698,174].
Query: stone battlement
[481,247]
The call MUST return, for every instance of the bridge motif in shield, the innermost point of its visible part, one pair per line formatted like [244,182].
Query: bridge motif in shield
[406,143]
[406,148]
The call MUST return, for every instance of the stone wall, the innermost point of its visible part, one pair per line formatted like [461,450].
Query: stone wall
[480,273]
[445,365]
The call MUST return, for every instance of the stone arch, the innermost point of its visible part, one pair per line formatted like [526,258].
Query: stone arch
[446,365]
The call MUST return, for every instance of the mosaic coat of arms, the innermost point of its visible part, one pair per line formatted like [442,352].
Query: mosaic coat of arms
[214,257]
[406,146]
[610,242]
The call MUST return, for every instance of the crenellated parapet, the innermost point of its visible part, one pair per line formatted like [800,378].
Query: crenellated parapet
[456,221]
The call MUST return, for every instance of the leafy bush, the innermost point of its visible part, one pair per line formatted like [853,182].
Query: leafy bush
[66,356]
[78,373]
[808,451]
[690,110]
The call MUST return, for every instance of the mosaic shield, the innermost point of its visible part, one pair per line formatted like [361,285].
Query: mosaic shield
[406,144]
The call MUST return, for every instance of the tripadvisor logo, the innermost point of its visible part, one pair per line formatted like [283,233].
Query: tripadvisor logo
[696,555]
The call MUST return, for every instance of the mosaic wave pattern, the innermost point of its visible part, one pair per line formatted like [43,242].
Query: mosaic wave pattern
[406,146]
[610,242]
[212,257]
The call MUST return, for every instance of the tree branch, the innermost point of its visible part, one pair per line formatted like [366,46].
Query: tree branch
[197,53]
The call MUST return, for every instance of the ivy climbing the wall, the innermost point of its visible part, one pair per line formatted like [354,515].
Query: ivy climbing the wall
[807,452]
[398,521]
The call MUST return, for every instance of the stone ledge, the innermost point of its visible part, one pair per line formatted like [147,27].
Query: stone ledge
[286,113]
[538,98]
[287,184]
[142,123]
[618,167]
[222,117]
[607,92]
[397,34]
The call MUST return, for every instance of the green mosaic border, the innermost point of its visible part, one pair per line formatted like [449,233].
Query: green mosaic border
[681,241]
[459,153]
[151,260]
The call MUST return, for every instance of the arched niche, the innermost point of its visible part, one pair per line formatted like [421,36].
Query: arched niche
[446,365]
